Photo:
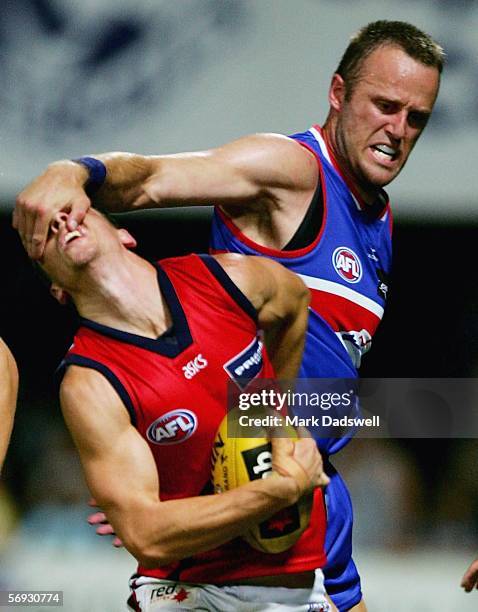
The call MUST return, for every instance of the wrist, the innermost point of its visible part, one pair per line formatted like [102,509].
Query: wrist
[95,173]
[284,487]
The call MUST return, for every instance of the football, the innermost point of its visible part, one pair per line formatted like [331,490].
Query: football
[236,461]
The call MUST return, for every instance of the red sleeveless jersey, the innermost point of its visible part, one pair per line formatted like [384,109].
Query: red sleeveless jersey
[175,390]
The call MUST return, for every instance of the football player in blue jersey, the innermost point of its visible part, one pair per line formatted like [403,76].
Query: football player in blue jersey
[283,197]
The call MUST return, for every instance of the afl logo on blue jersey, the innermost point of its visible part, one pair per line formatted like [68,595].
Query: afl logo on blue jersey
[347,264]
[173,427]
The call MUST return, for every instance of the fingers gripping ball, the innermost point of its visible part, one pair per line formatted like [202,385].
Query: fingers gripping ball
[237,461]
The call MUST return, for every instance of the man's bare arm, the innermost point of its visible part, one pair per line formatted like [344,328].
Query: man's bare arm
[281,300]
[260,171]
[470,578]
[122,476]
[8,397]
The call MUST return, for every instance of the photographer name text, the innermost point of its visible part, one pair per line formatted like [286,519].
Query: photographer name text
[324,420]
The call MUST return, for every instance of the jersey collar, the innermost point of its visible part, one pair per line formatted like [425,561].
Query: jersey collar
[374,210]
[170,343]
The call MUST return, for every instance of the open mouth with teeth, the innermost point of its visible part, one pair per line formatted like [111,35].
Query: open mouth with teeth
[385,152]
[70,236]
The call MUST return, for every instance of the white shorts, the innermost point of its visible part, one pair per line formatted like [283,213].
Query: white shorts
[152,595]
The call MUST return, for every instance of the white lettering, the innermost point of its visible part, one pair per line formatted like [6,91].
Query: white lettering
[264,463]
[172,428]
[184,424]
[254,360]
[194,366]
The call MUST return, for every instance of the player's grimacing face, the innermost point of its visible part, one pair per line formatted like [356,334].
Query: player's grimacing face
[66,251]
[389,106]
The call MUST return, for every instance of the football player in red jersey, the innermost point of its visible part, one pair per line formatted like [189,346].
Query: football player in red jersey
[8,397]
[271,191]
[125,380]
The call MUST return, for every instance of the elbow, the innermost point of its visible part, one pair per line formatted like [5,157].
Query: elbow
[147,557]
[146,533]
[150,554]
[153,557]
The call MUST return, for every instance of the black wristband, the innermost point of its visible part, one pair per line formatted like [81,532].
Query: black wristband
[96,173]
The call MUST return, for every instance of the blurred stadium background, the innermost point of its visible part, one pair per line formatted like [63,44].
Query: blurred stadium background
[162,76]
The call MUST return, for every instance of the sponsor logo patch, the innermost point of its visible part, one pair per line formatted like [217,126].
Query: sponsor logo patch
[247,365]
[347,264]
[169,592]
[173,427]
[258,463]
[322,606]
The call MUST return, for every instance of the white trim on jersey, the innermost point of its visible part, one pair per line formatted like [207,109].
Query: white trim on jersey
[323,147]
[345,292]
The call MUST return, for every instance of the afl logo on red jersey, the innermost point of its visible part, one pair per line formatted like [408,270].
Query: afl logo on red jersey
[347,264]
[173,427]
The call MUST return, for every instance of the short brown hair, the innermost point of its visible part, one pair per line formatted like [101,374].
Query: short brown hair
[410,39]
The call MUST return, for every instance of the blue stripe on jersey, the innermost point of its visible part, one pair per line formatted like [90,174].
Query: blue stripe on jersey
[225,280]
[85,362]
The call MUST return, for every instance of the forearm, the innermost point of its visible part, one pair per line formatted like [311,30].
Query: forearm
[124,185]
[158,533]
[136,182]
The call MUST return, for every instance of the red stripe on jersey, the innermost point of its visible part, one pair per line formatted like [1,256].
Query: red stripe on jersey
[342,314]
[390,219]
[278,253]
[345,178]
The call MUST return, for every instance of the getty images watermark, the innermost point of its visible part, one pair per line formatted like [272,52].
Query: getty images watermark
[335,408]
[279,409]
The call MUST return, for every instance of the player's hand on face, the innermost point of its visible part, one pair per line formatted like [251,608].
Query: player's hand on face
[300,460]
[59,188]
[470,579]
[103,528]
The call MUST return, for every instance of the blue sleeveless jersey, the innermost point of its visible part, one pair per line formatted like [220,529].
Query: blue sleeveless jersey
[346,269]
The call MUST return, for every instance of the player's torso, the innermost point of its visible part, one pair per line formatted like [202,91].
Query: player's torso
[176,390]
[175,387]
[346,268]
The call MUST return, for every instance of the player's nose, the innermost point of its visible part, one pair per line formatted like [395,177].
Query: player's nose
[58,221]
[397,125]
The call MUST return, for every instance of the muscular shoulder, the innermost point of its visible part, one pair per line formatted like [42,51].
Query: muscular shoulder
[277,158]
[260,278]
[91,408]
[83,387]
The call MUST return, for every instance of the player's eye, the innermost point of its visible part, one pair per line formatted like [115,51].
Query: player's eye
[386,107]
[418,120]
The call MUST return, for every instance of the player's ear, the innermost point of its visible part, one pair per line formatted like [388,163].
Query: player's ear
[126,238]
[337,92]
[59,294]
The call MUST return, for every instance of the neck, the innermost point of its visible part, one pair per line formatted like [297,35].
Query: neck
[367,193]
[121,291]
